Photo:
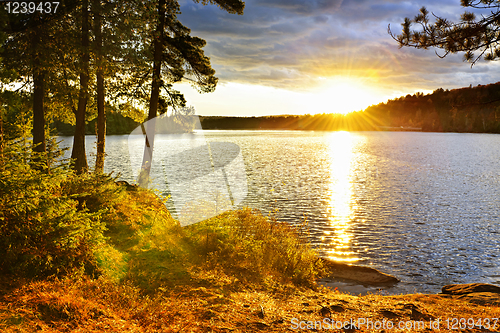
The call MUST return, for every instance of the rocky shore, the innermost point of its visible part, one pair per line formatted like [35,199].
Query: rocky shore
[362,274]
[477,293]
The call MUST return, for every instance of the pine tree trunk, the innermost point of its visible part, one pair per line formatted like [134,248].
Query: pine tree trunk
[78,152]
[155,94]
[101,115]
[38,95]
[2,157]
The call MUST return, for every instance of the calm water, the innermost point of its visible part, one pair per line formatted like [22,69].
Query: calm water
[424,207]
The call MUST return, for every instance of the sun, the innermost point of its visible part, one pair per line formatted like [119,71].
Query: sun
[343,95]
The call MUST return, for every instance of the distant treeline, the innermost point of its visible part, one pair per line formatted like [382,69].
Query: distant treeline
[119,124]
[472,109]
[116,124]
[319,122]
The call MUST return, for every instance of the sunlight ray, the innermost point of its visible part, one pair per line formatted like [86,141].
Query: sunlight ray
[341,199]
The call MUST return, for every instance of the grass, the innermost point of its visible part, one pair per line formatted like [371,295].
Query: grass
[237,272]
[102,306]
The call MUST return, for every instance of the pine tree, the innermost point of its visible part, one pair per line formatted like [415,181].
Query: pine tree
[27,57]
[182,57]
[470,35]
[101,115]
[139,47]
[78,152]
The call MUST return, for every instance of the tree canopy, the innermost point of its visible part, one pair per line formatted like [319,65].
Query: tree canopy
[477,37]
[93,54]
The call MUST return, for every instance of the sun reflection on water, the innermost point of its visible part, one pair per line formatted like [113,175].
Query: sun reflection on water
[341,214]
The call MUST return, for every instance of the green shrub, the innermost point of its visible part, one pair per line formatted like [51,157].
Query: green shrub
[51,220]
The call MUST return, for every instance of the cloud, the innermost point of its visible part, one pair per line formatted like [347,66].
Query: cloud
[301,7]
[290,44]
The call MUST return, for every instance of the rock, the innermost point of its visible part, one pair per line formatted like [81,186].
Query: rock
[325,311]
[409,306]
[477,293]
[337,308]
[420,315]
[128,187]
[482,298]
[463,289]
[365,275]
[389,314]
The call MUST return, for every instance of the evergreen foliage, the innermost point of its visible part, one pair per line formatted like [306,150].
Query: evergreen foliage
[92,54]
[469,35]
[472,109]
[16,114]
[51,220]
[116,124]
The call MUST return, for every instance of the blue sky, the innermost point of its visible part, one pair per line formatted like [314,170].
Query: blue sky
[315,56]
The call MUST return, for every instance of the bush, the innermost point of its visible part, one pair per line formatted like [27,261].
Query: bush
[51,220]
[254,247]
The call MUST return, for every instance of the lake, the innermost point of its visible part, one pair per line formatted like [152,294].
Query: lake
[424,207]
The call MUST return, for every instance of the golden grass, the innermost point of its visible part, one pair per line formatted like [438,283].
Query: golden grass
[101,306]
[238,272]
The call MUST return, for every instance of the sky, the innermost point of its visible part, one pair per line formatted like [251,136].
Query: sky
[319,56]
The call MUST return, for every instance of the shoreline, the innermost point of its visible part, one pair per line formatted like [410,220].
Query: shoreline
[362,274]
[363,280]
[100,306]
[237,272]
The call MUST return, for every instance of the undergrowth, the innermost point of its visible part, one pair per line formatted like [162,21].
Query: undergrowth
[83,253]
[57,223]
[256,249]
[78,248]
[51,220]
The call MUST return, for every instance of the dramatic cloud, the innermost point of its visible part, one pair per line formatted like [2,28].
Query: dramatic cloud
[301,7]
[293,44]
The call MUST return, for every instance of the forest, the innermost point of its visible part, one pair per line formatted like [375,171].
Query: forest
[470,109]
[75,62]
